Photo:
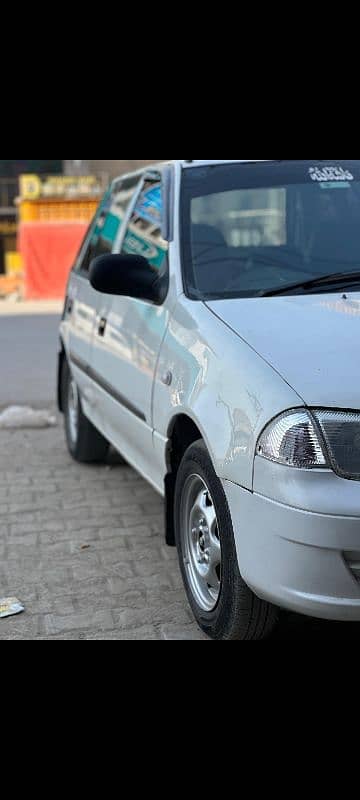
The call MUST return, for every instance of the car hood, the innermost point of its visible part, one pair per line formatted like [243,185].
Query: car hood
[312,341]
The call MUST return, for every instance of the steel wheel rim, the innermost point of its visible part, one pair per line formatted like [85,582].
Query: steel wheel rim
[73,410]
[201,546]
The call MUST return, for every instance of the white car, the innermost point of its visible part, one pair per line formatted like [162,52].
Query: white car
[211,334]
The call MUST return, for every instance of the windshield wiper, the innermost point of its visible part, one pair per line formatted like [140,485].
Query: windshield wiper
[338,279]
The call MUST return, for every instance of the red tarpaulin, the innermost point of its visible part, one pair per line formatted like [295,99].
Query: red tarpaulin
[49,251]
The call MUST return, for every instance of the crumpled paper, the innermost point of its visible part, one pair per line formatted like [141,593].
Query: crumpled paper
[10,606]
[25,417]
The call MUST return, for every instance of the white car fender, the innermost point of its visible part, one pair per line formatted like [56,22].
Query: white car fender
[221,384]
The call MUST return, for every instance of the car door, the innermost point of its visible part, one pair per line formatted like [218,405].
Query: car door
[81,304]
[86,306]
[125,355]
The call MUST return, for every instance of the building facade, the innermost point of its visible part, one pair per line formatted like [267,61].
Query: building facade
[9,189]
[109,168]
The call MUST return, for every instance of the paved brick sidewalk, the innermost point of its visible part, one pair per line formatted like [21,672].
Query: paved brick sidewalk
[82,548]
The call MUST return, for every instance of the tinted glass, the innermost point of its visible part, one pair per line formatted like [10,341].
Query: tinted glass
[109,218]
[254,227]
[143,236]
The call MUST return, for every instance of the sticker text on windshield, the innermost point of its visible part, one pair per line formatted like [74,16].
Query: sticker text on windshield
[330,174]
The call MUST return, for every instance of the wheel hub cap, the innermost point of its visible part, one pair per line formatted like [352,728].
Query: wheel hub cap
[201,543]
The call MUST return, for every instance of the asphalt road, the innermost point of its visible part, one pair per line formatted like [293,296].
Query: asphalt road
[28,350]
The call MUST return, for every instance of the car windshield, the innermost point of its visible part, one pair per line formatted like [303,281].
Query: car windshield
[257,227]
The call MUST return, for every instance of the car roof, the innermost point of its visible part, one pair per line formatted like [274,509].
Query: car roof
[184,165]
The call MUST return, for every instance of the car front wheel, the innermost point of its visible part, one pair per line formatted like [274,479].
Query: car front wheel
[223,605]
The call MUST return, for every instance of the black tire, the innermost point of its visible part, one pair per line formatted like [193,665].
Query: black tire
[239,614]
[88,446]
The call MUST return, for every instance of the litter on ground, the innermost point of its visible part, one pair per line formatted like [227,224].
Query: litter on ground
[10,606]
[26,417]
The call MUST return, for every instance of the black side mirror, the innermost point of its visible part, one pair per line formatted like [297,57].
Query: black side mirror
[128,276]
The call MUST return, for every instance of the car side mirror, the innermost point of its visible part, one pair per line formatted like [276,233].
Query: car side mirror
[128,276]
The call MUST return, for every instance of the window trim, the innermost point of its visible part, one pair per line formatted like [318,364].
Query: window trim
[123,227]
[168,192]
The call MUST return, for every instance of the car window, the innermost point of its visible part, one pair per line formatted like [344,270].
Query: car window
[107,223]
[143,235]
[253,228]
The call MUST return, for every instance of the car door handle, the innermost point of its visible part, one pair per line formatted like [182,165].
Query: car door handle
[102,327]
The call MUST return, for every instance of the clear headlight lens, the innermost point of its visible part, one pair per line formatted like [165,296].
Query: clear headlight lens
[341,431]
[292,439]
[320,438]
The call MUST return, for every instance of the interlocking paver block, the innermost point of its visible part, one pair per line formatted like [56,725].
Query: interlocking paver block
[83,548]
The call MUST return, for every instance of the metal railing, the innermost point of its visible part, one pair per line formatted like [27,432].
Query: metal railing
[9,190]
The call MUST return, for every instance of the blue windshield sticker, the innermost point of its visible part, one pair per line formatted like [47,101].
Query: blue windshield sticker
[330,174]
[149,206]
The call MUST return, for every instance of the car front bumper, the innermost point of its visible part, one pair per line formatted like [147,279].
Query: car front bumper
[302,560]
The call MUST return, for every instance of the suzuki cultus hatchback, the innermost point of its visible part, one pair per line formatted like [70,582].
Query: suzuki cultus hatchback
[211,334]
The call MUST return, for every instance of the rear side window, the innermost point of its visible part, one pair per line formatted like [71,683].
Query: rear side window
[108,221]
[143,235]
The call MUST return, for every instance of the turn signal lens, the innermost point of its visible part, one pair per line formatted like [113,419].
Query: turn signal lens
[292,439]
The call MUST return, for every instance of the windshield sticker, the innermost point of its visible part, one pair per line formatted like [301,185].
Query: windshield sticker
[330,174]
[150,204]
[336,185]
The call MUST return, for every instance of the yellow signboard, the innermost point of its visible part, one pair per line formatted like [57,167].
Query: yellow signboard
[62,187]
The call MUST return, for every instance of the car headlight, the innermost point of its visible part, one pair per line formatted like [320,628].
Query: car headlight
[293,439]
[341,432]
[314,439]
